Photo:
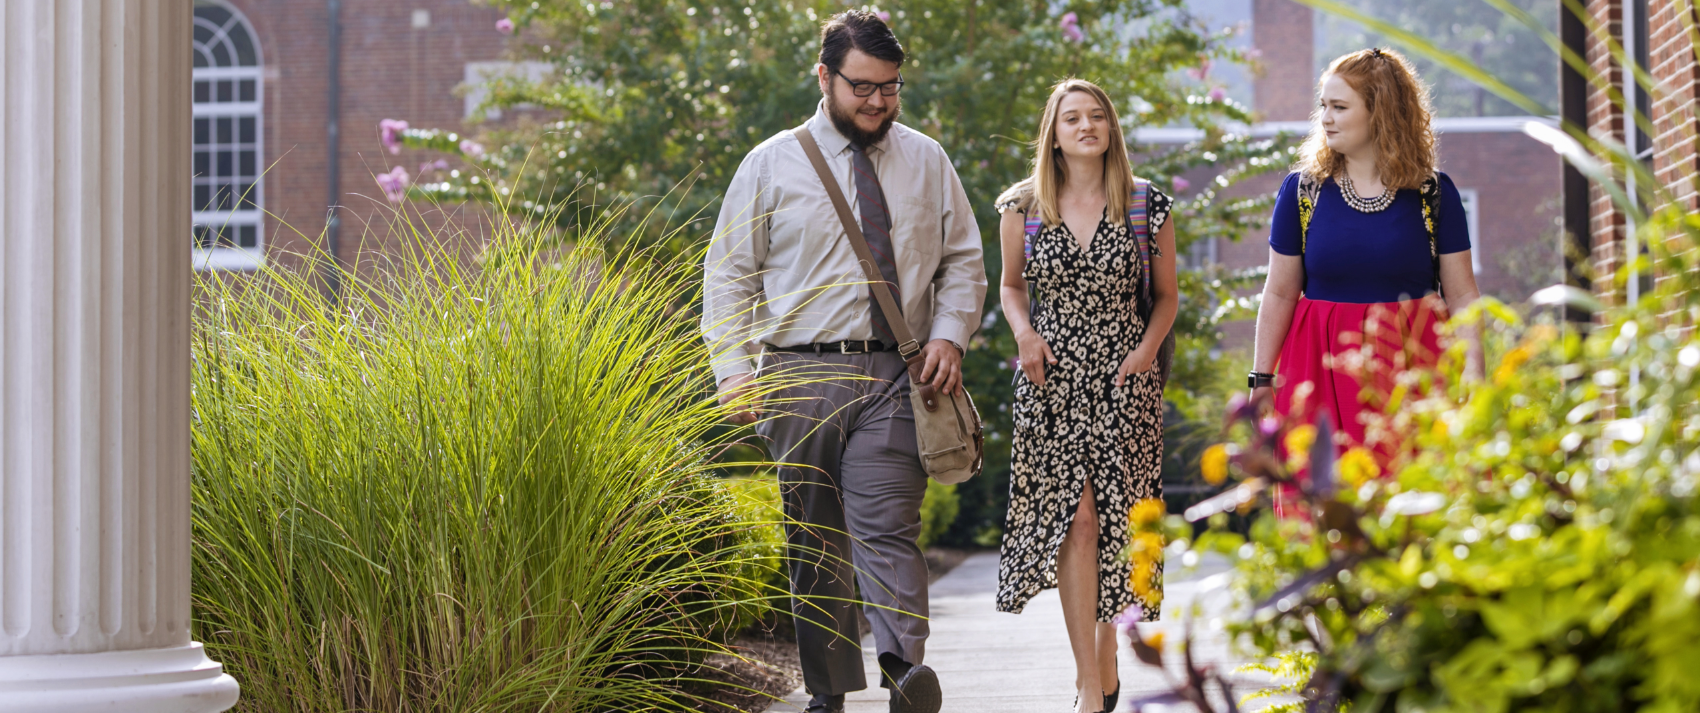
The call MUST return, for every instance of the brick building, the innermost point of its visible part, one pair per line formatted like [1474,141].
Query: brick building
[288,96]
[1654,33]
[1510,182]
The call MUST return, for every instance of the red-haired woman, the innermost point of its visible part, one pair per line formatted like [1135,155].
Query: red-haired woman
[1365,234]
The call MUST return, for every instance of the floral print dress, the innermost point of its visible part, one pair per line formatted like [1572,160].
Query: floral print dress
[1079,426]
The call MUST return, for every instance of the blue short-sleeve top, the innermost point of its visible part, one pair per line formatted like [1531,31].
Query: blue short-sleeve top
[1368,257]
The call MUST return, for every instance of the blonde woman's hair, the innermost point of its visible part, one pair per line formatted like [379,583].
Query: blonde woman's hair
[1039,191]
[1401,120]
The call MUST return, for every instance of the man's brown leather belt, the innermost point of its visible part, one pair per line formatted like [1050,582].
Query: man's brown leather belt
[848,346]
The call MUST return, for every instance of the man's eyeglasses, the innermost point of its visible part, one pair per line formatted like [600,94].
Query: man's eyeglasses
[866,89]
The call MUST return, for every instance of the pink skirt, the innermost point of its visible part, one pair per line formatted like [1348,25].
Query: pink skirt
[1345,359]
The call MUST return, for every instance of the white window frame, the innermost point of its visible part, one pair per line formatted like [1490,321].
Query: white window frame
[1472,206]
[234,258]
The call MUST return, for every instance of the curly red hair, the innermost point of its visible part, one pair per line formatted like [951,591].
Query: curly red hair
[1401,120]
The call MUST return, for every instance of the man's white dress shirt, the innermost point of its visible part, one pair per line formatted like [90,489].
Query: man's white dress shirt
[781,270]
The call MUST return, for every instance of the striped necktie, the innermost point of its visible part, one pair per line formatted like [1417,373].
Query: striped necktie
[876,227]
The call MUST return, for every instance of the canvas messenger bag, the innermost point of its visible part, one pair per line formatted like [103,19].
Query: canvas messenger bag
[947,430]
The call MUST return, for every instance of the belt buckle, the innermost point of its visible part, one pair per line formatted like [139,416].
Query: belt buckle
[844,347]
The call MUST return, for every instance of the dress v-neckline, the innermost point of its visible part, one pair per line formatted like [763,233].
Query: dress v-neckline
[1091,241]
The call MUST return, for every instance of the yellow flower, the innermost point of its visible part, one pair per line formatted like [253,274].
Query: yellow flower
[1155,640]
[1441,429]
[1509,364]
[1146,554]
[1299,439]
[1148,545]
[1144,582]
[1298,444]
[1357,467]
[1147,512]
[1215,464]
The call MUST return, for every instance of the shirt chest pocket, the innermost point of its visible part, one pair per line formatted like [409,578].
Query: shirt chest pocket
[918,231]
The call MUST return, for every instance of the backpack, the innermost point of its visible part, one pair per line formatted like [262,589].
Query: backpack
[1137,219]
[1310,190]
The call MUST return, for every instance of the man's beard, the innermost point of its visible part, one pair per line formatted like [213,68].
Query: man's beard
[845,122]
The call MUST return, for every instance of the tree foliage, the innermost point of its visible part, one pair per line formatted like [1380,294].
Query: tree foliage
[1494,41]
[659,100]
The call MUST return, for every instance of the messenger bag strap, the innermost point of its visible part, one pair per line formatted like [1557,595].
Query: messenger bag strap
[906,344]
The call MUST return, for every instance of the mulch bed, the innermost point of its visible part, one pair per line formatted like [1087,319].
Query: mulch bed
[765,668]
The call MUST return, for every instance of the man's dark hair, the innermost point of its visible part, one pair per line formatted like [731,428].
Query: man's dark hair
[857,29]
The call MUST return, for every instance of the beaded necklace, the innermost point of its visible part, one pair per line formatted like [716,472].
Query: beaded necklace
[1361,204]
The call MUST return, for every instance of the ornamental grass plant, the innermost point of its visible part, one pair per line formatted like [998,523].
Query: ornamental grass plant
[465,486]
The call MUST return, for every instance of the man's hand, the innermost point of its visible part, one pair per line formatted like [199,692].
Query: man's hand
[737,388]
[943,366]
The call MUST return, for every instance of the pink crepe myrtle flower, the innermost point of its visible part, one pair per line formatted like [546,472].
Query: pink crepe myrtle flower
[505,26]
[1202,70]
[429,166]
[1253,53]
[1218,94]
[883,16]
[472,148]
[395,183]
[1181,184]
[1070,24]
[389,133]
[1126,620]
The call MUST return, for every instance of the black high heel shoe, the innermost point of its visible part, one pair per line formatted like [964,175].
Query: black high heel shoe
[1076,704]
[1111,697]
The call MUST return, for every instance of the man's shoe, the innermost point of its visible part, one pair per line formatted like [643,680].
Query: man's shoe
[917,692]
[826,704]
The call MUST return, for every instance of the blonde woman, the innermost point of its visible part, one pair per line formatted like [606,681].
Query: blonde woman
[1096,248]
[1365,233]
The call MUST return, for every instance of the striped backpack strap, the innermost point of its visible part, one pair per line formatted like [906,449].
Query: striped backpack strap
[1139,219]
[1034,223]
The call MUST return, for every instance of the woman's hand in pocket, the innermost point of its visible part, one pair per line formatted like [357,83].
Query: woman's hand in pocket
[1137,361]
[1034,354]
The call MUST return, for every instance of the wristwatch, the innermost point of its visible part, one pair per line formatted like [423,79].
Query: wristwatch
[1257,378]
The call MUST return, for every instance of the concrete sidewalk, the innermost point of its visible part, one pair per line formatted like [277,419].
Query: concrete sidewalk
[990,662]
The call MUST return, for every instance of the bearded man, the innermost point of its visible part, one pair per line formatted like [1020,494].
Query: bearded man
[785,297]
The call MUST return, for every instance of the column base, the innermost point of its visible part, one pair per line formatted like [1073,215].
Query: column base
[174,680]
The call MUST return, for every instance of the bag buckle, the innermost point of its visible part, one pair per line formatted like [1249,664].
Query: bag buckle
[909,349]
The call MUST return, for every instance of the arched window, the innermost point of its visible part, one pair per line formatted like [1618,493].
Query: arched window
[228,228]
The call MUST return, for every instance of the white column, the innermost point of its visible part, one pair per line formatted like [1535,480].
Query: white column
[94,360]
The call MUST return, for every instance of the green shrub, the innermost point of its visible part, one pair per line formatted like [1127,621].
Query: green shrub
[759,504]
[758,499]
[938,512]
[459,488]
[1540,550]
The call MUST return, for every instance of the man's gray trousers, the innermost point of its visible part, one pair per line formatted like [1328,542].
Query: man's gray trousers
[852,482]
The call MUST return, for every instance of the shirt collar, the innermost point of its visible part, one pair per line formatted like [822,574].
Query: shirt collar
[831,142]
